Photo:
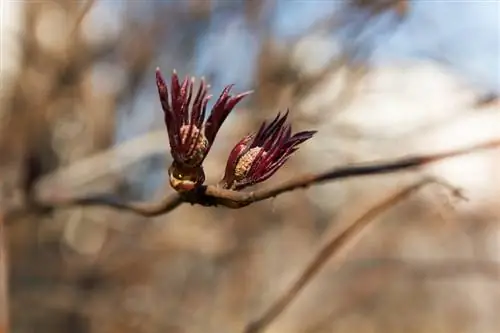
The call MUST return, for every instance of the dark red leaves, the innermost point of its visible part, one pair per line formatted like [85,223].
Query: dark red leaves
[253,160]
[185,111]
[221,109]
[258,156]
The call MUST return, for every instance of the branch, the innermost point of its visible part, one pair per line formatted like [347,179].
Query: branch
[148,209]
[332,248]
[215,196]
[235,199]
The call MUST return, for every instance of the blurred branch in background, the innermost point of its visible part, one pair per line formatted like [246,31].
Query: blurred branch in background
[331,249]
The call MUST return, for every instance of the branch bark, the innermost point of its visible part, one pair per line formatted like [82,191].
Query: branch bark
[215,196]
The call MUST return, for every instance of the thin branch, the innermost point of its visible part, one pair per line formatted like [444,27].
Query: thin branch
[215,196]
[148,209]
[370,169]
[332,248]
[235,199]
[487,100]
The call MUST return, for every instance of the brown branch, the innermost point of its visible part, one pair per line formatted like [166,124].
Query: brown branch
[215,196]
[371,169]
[235,199]
[148,209]
[332,248]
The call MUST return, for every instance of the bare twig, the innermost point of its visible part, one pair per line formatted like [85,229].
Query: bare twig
[234,199]
[329,250]
[148,209]
[214,196]
[491,99]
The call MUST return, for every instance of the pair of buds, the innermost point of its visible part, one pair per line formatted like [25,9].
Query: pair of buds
[254,159]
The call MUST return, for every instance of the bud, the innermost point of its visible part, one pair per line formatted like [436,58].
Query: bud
[190,136]
[258,156]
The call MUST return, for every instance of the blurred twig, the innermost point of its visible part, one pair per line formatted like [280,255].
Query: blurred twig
[332,248]
[163,206]
[486,100]
[376,7]
[214,196]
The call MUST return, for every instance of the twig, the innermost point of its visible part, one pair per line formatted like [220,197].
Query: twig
[148,209]
[329,250]
[235,199]
[215,196]
[491,99]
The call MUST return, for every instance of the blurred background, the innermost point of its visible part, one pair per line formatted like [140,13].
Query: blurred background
[378,79]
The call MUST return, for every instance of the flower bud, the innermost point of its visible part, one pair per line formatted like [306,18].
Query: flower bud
[258,156]
[190,136]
